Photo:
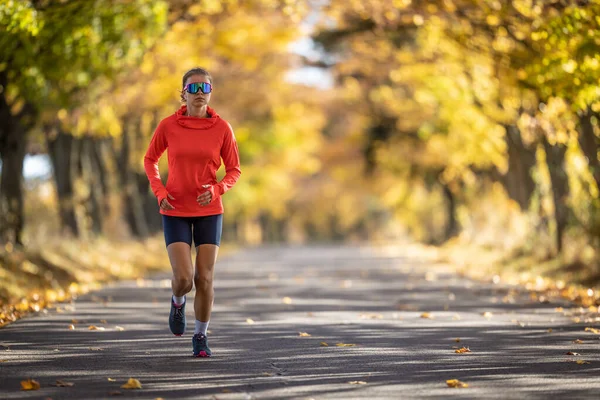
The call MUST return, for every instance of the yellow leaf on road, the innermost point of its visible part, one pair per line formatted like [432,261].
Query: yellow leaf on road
[427,315]
[357,382]
[572,353]
[119,328]
[455,383]
[487,315]
[132,384]
[578,341]
[287,300]
[582,362]
[111,379]
[60,383]
[457,340]
[250,321]
[323,344]
[71,327]
[30,384]
[463,350]
[303,334]
[95,328]
[345,345]
[593,330]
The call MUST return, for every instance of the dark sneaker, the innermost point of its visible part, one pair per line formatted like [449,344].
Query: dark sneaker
[177,318]
[200,344]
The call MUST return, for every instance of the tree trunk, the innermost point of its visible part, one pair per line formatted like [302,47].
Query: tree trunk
[134,212]
[590,142]
[60,148]
[518,181]
[13,140]
[91,178]
[555,159]
[451,223]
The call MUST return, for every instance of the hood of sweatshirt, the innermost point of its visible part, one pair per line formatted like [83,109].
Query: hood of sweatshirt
[195,122]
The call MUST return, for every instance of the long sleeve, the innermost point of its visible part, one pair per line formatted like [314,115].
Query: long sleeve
[231,159]
[157,146]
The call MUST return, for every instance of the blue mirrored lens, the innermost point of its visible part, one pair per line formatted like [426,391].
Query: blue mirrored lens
[194,88]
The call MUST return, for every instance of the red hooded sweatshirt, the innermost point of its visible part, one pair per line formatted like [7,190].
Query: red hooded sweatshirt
[195,148]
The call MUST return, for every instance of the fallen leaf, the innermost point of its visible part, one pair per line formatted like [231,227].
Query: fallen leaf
[593,330]
[582,362]
[95,328]
[456,317]
[558,309]
[74,321]
[455,383]
[578,341]
[487,315]
[132,384]
[570,353]
[30,384]
[357,382]
[457,340]
[60,383]
[371,316]
[345,345]
[463,350]
[250,321]
[303,334]
[1,361]
[427,315]
[103,321]
[323,344]
[111,380]
[71,327]
[549,330]
[119,328]
[287,300]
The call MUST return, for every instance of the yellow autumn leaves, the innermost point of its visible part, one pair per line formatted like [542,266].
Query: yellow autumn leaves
[32,384]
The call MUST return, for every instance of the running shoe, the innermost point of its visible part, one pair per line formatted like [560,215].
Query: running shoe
[177,318]
[200,344]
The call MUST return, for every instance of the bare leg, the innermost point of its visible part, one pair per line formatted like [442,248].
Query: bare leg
[206,258]
[183,270]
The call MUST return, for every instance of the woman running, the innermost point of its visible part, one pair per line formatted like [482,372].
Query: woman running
[190,204]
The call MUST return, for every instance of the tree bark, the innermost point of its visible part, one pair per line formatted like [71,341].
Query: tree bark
[590,142]
[555,159]
[518,181]
[134,212]
[451,223]
[13,140]
[91,177]
[60,148]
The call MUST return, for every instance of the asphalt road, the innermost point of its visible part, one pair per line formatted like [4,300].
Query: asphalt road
[372,302]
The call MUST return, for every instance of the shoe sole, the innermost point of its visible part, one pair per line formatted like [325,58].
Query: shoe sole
[202,354]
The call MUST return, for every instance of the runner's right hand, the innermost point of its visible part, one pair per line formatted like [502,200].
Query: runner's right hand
[165,205]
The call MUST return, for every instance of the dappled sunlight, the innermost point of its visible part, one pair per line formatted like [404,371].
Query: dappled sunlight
[351,336]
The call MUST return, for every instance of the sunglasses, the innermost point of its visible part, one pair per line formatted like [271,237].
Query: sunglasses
[194,88]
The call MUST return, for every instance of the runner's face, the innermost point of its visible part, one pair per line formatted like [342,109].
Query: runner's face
[199,99]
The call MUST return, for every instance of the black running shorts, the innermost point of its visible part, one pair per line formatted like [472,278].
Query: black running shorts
[204,230]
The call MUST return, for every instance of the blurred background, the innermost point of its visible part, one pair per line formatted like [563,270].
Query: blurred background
[460,124]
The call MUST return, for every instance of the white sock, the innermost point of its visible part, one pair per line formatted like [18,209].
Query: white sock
[201,327]
[179,300]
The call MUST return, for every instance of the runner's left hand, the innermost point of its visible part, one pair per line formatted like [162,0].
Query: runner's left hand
[205,198]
